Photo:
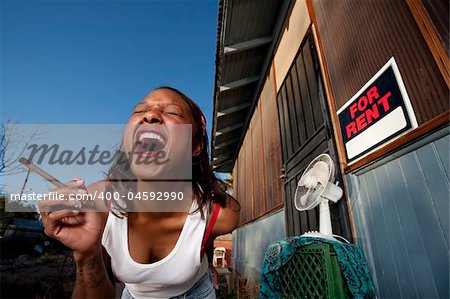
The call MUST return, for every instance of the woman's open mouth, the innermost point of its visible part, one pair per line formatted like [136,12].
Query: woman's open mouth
[149,142]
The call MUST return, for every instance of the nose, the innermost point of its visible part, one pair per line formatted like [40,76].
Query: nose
[152,117]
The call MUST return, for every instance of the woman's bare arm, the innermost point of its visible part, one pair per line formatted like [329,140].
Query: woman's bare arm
[94,275]
[228,218]
[92,279]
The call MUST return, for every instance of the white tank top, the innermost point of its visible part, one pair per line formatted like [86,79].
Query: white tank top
[171,276]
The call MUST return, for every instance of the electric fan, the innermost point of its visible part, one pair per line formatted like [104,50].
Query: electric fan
[316,187]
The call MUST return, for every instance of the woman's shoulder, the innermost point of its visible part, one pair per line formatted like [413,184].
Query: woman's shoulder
[228,217]
[98,190]
[99,186]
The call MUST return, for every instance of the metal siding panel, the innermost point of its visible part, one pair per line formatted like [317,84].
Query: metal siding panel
[442,147]
[408,226]
[379,230]
[252,240]
[401,212]
[423,210]
[398,271]
[362,237]
[363,229]
[438,186]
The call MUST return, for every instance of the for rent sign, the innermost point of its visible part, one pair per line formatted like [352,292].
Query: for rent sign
[377,114]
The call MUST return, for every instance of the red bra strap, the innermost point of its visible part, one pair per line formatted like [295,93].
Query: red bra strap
[210,227]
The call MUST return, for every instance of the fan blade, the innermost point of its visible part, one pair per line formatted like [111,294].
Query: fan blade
[304,198]
[308,180]
[321,172]
[301,182]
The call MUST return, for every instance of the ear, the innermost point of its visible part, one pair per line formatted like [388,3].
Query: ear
[197,149]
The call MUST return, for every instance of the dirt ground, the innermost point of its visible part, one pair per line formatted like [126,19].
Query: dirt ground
[52,275]
[33,276]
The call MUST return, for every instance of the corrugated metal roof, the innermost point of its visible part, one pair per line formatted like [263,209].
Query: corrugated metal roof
[245,39]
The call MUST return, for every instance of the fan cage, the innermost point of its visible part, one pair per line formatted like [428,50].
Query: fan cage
[313,272]
[329,161]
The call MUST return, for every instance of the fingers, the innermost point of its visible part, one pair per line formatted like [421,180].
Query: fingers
[76,182]
[215,280]
[66,197]
[61,198]
[56,216]
[53,221]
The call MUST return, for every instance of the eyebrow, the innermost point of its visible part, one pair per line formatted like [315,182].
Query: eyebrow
[140,103]
[169,104]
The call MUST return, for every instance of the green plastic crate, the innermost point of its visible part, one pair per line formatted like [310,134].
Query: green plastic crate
[313,272]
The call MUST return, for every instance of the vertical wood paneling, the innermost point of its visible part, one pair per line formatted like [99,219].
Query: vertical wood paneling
[251,172]
[359,37]
[258,166]
[257,157]
[282,126]
[401,216]
[438,10]
[272,150]
[242,181]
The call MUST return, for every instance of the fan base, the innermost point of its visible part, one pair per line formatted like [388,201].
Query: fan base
[315,234]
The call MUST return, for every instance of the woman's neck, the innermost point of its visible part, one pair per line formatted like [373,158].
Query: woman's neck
[162,196]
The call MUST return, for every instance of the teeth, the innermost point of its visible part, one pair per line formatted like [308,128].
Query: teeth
[150,135]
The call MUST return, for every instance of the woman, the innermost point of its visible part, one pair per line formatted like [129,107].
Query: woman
[156,254]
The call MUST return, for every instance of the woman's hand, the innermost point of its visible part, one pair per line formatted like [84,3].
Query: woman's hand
[79,230]
[215,277]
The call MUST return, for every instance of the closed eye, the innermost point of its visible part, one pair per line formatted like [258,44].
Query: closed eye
[174,112]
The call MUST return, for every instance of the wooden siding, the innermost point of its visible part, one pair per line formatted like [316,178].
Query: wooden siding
[257,183]
[359,37]
[437,10]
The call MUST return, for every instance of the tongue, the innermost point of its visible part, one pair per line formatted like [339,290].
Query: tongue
[151,145]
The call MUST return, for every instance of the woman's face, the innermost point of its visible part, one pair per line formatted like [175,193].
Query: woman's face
[159,133]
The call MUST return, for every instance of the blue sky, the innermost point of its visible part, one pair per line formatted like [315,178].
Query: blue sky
[90,62]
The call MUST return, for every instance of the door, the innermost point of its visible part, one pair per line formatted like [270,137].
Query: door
[305,133]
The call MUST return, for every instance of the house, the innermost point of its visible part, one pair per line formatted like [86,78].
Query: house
[366,82]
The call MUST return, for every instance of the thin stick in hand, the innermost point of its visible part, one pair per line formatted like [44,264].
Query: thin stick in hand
[41,172]
[46,176]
